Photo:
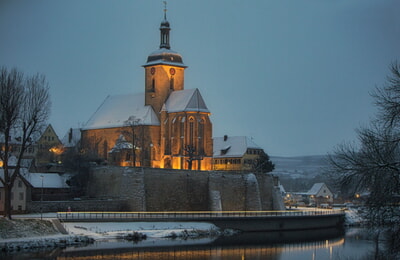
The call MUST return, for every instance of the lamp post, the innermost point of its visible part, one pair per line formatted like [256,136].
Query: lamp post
[41,199]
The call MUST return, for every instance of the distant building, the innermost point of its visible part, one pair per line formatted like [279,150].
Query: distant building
[71,140]
[320,193]
[235,153]
[47,186]
[167,126]
[49,147]
[42,149]
[317,195]
[15,142]
[18,191]
[33,187]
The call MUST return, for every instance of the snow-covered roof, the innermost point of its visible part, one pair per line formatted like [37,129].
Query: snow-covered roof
[72,137]
[185,100]
[165,57]
[121,144]
[50,180]
[232,146]
[315,188]
[116,110]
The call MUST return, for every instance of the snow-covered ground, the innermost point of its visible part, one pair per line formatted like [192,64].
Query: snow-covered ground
[157,233]
[108,234]
[109,230]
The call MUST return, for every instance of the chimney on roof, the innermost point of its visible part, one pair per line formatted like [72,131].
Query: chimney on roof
[70,135]
[225,137]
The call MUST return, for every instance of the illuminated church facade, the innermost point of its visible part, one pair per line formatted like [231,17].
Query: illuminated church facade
[167,126]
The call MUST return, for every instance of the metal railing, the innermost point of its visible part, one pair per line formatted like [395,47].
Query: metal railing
[193,215]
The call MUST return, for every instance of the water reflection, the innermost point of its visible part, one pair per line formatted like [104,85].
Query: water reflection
[313,244]
[299,250]
[256,245]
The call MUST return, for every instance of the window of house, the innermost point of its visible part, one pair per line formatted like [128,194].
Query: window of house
[21,196]
[171,83]
[19,184]
[19,207]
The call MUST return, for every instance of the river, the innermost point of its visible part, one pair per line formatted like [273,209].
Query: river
[331,244]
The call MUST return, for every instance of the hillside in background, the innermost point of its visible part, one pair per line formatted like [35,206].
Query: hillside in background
[299,165]
[301,172]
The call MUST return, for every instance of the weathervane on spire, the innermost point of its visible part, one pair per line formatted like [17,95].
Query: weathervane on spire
[165,10]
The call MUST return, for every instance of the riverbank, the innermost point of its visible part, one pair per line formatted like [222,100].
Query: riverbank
[27,233]
[30,234]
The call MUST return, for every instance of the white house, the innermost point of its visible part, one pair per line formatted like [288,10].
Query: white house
[320,193]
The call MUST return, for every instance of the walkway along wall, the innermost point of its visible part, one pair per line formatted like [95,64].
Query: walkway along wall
[149,189]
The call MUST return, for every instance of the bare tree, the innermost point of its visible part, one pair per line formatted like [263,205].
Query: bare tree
[24,109]
[387,98]
[131,125]
[191,152]
[373,166]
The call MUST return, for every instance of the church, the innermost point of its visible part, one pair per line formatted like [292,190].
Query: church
[167,126]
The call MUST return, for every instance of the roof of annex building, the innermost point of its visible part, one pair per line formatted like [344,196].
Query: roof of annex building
[232,146]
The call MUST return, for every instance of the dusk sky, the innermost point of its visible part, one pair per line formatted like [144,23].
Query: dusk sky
[295,75]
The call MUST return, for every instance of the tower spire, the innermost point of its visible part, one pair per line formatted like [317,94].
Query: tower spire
[165,10]
[164,29]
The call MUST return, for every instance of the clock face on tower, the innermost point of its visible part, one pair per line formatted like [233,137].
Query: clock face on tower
[152,70]
[172,71]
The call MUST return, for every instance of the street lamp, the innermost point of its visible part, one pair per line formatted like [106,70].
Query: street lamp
[41,199]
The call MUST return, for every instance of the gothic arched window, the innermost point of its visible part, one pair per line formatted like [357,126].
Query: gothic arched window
[191,130]
[201,136]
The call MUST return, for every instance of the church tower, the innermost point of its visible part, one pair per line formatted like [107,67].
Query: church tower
[164,71]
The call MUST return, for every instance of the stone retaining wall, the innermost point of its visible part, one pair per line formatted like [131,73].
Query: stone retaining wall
[150,189]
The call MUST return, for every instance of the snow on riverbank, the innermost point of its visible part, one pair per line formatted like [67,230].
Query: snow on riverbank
[106,233]
[107,230]
[353,218]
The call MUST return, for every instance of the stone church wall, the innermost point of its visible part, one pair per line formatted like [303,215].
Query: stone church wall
[153,189]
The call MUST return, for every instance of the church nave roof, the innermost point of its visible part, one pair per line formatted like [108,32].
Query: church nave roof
[116,110]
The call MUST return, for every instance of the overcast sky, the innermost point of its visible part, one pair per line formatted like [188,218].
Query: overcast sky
[295,75]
